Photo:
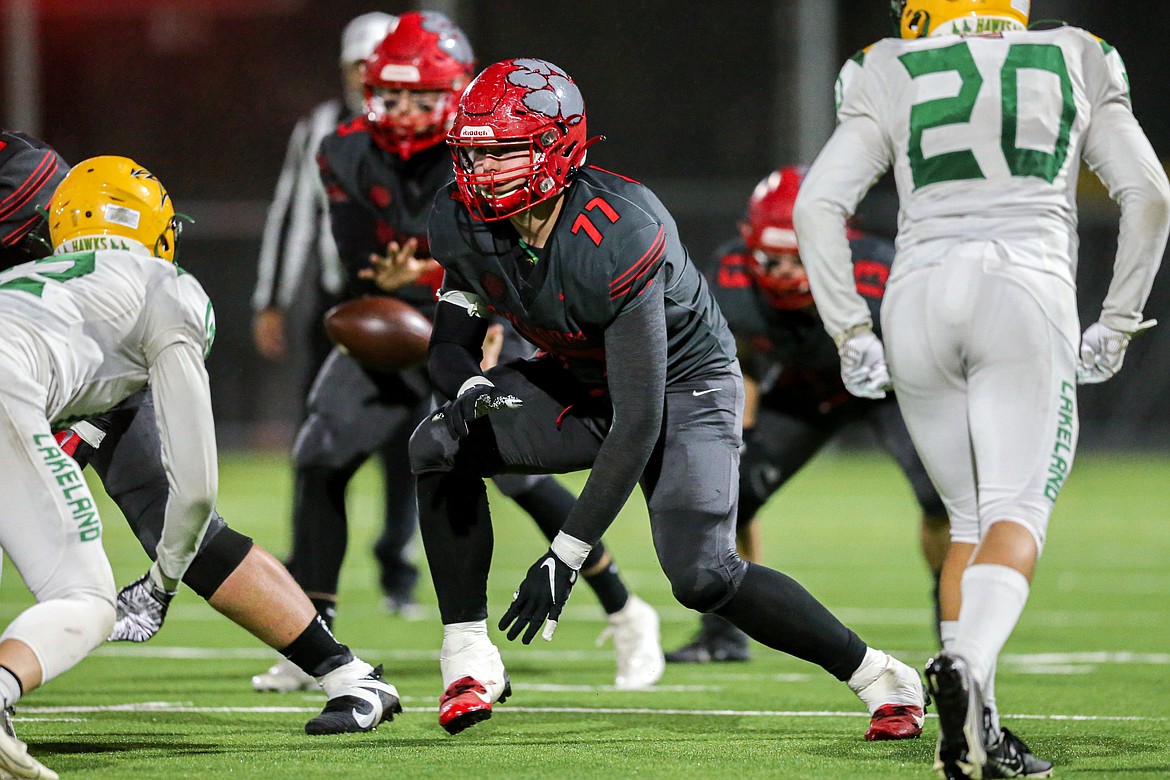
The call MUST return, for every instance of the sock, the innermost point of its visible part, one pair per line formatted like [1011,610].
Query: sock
[993,600]
[989,699]
[608,586]
[871,668]
[947,631]
[10,688]
[316,650]
[326,610]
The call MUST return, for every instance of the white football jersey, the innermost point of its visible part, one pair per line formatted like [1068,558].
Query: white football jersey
[95,321]
[985,135]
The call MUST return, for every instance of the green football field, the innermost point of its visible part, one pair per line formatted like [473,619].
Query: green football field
[1085,679]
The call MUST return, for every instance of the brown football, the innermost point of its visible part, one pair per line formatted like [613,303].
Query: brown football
[379,332]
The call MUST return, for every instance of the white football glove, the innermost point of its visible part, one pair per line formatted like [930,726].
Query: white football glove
[863,365]
[1103,351]
[140,609]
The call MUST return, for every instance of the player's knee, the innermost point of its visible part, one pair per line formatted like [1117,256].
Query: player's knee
[62,631]
[217,558]
[706,586]
[431,448]
[320,443]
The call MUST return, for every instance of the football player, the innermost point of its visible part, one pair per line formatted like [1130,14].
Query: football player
[237,577]
[795,400]
[985,124]
[381,172]
[636,380]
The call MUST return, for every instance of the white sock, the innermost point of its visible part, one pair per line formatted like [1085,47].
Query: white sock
[336,681]
[948,630]
[458,636]
[993,600]
[872,666]
[10,688]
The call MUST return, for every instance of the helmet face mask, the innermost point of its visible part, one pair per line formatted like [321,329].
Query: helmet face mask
[413,80]
[518,138]
[924,18]
[113,196]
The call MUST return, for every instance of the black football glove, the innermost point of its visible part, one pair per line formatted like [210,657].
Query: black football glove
[474,402]
[541,595]
[141,609]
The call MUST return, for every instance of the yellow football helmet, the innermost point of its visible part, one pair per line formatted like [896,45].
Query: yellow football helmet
[922,18]
[113,196]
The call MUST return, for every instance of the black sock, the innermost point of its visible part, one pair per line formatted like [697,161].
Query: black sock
[326,610]
[937,608]
[775,610]
[316,650]
[608,586]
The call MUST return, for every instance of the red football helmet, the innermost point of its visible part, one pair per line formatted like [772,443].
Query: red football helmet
[526,104]
[771,239]
[432,58]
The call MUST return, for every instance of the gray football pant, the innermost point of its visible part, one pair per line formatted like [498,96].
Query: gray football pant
[691,489]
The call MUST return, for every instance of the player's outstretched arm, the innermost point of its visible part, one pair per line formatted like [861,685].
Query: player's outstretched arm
[182,403]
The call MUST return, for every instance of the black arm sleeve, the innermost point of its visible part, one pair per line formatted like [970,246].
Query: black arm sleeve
[635,359]
[456,348]
[355,232]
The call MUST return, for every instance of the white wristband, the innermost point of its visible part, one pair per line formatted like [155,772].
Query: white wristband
[475,381]
[570,550]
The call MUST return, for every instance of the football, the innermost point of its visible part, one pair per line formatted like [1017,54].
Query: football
[379,332]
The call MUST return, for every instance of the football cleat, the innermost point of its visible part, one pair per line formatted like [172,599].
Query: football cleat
[355,704]
[896,701]
[6,716]
[1011,757]
[467,702]
[717,641]
[636,644]
[284,677]
[16,762]
[961,752]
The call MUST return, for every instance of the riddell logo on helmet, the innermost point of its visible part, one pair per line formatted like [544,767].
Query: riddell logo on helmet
[478,131]
[408,73]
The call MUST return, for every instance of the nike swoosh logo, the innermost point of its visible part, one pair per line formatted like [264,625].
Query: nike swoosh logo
[697,393]
[366,719]
[552,583]
[363,720]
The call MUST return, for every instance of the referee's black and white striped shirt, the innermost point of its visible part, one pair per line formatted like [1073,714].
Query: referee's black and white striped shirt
[296,235]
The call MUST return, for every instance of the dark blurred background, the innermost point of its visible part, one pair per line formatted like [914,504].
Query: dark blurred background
[697,99]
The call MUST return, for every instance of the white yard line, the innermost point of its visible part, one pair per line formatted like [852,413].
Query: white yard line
[186,707]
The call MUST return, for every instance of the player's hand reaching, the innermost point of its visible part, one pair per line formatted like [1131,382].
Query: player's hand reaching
[141,608]
[545,589]
[398,268]
[863,365]
[478,400]
[1103,351]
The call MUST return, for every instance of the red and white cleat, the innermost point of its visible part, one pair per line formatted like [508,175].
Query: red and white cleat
[466,702]
[895,721]
[893,694]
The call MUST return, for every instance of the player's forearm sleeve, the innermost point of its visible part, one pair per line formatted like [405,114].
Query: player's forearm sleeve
[456,348]
[848,165]
[1119,153]
[182,406]
[635,361]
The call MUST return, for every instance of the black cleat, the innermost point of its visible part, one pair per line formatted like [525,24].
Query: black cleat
[359,705]
[1011,757]
[961,754]
[716,642]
